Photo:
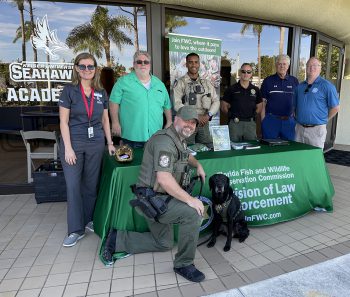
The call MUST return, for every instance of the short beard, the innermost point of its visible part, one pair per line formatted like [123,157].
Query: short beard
[184,132]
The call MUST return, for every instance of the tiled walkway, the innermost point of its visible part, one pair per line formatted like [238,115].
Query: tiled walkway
[34,263]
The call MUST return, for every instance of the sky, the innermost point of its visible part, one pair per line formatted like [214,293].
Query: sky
[63,17]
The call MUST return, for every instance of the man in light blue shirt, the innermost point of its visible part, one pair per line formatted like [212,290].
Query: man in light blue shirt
[316,102]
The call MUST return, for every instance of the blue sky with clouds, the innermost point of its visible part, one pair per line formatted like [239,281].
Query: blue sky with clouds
[62,17]
[65,16]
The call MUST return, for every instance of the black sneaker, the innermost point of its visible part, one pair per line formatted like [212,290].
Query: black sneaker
[109,248]
[190,273]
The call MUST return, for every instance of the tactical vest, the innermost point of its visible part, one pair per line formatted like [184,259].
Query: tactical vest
[180,169]
[204,98]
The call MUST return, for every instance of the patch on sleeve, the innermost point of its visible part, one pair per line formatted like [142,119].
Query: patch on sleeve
[164,159]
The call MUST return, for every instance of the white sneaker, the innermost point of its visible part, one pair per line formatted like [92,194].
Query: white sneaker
[90,226]
[72,239]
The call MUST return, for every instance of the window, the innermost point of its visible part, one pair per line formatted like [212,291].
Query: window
[306,42]
[39,40]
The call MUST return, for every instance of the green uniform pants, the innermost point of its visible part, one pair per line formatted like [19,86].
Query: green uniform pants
[242,131]
[160,238]
[202,135]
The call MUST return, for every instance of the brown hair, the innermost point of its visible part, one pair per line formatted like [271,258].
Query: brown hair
[95,82]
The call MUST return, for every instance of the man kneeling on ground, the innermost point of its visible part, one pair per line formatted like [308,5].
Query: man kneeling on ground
[163,174]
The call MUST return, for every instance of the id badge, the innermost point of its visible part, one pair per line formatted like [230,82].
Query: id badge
[91,132]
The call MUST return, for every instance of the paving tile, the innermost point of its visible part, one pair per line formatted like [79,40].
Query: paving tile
[61,268]
[144,258]
[7,263]
[341,248]
[99,287]
[260,247]
[233,281]
[288,265]
[255,275]
[286,251]
[172,292]
[122,284]
[259,260]
[116,294]
[17,272]
[79,277]
[145,292]
[213,286]
[272,269]
[316,257]
[82,266]
[243,265]
[123,272]
[143,269]
[75,290]
[272,255]
[8,294]
[8,285]
[310,242]
[163,279]
[3,273]
[144,281]
[162,267]
[223,269]
[302,261]
[125,261]
[39,270]
[33,282]
[101,274]
[162,256]
[29,293]
[52,291]
[209,273]
[298,246]
[59,279]
[330,253]
[192,290]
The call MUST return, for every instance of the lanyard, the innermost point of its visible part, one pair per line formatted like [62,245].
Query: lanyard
[88,111]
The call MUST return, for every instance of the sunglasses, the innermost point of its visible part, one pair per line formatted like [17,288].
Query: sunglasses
[83,67]
[307,89]
[246,71]
[140,62]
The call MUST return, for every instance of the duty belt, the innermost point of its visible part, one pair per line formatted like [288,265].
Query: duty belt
[237,120]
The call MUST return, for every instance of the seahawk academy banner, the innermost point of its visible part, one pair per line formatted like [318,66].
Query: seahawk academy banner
[209,51]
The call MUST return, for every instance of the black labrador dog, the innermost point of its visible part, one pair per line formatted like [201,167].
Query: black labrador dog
[227,210]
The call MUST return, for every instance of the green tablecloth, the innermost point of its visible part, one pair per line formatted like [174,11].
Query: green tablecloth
[275,184]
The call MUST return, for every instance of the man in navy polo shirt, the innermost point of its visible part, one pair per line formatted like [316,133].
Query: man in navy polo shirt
[277,91]
[316,102]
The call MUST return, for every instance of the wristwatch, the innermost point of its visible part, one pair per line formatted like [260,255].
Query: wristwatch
[210,115]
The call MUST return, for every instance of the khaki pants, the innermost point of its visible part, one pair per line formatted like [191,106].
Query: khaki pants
[160,237]
[202,135]
[242,130]
[315,136]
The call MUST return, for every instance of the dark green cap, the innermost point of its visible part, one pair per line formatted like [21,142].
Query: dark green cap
[187,112]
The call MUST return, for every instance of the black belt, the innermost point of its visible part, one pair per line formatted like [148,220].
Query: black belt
[283,118]
[237,119]
[308,126]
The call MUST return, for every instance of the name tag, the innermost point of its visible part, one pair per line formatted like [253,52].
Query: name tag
[98,95]
[91,132]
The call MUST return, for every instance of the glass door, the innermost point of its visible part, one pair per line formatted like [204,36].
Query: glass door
[331,54]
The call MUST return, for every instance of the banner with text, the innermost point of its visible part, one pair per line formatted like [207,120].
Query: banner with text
[273,188]
[209,51]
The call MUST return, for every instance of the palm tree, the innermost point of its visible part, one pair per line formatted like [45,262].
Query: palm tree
[32,27]
[257,29]
[136,11]
[173,21]
[96,35]
[20,6]
[282,30]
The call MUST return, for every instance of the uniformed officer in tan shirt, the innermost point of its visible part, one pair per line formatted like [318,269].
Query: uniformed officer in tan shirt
[193,90]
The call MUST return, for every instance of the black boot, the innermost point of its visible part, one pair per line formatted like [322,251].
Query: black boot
[190,273]
[109,248]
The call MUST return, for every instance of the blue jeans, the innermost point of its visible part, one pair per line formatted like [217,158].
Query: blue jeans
[134,144]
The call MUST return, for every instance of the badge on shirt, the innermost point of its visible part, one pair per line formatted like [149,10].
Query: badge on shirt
[314,90]
[164,159]
[91,132]
[252,91]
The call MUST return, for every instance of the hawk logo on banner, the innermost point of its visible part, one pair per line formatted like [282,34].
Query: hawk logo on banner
[47,40]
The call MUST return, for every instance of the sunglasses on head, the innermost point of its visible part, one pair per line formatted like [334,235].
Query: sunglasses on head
[140,62]
[83,67]
[246,71]
[307,88]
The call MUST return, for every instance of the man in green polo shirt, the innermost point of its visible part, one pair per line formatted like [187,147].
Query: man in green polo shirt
[137,103]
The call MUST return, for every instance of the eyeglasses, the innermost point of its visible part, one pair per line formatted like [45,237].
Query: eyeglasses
[140,62]
[307,89]
[83,67]
[246,71]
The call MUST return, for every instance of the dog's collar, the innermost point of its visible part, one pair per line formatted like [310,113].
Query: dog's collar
[220,207]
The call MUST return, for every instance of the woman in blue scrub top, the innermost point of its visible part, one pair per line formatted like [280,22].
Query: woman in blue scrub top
[84,124]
